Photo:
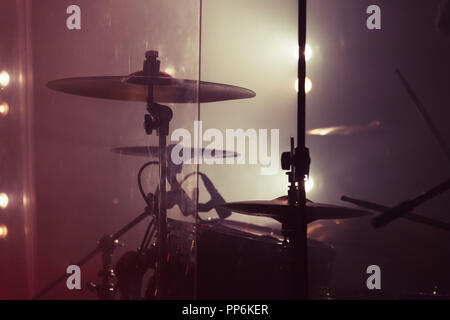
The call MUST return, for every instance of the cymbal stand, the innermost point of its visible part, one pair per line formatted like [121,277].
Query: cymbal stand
[106,290]
[158,119]
[106,242]
[298,162]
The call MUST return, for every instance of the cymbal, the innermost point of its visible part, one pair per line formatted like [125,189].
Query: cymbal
[135,88]
[152,151]
[350,130]
[278,209]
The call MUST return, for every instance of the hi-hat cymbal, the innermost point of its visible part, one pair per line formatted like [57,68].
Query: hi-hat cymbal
[135,88]
[154,152]
[279,208]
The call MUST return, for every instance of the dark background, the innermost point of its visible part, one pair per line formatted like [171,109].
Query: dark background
[84,191]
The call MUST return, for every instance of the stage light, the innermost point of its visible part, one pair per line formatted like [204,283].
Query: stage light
[4,109]
[321,131]
[3,200]
[170,70]
[4,79]
[3,231]
[309,184]
[308,85]
[308,52]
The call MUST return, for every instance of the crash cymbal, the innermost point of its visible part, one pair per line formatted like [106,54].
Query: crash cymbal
[350,130]
[278,209]
[152,151]
[135,86]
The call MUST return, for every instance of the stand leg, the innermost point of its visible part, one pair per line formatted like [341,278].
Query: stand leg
[162,222]
[158,119]
[299,163]
[295,226]
[94,252]
[299,254]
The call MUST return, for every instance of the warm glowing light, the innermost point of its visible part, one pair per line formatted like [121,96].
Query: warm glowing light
[25,200]
[170,70]
[308,52]
[314,227]
[308,85]
[347,130]
[309,184]
[321,131]
[4,78]
[4,109]
[3,231]
[3,200]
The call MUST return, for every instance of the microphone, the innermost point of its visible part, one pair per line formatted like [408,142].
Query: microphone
[180,197]
[216,199]
[177,196]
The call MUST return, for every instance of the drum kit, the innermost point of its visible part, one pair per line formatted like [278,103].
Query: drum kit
[165,237]
[234,260]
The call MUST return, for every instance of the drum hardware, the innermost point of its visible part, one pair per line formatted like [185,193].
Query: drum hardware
[408,205]
[424,114]
[298,162]
[293,211]
[132,265]
[130,273]
[107,289]
[217,201]
[158,119]
[177,195]
[107,244]
[278,210]
[152,86]
[294,225]
[408,216]
[390,214]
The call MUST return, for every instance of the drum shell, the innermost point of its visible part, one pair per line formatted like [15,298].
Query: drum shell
[237,265]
